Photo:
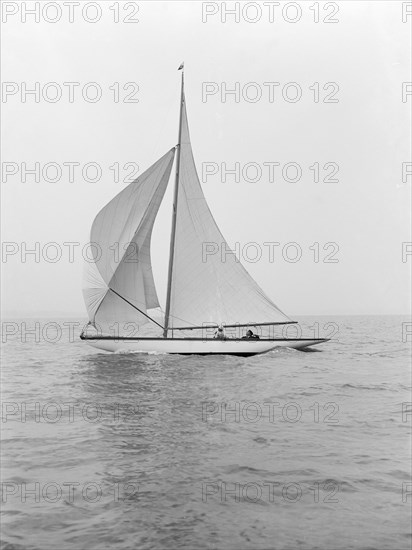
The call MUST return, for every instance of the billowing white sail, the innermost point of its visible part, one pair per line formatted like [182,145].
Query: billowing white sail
[120,273]
[205,288]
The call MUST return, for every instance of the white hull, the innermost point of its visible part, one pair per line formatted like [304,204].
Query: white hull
[198,346]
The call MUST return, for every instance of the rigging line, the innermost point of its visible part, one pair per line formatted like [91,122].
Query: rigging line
[139,310]
[180,319]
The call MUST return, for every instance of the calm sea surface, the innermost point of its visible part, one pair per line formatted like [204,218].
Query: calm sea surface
[288,450]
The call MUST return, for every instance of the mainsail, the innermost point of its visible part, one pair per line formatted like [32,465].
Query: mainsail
[208,288]
[119,286]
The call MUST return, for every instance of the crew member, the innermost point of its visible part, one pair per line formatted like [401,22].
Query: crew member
[250,334]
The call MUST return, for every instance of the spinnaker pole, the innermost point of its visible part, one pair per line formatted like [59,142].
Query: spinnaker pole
[175,197]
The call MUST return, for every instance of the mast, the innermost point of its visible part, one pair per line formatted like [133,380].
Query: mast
[175,197]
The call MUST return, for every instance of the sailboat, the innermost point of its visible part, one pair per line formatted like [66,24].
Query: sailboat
[119,288]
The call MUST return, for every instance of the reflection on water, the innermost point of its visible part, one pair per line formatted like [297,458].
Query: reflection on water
[283,450]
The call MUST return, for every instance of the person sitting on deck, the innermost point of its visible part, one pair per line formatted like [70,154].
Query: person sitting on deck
[220,333]
[250,334]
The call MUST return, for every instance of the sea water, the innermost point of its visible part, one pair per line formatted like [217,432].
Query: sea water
[288,450]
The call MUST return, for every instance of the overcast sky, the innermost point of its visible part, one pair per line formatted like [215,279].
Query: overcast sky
[363,132]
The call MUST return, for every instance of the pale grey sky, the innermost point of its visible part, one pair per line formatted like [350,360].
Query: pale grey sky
[366,213]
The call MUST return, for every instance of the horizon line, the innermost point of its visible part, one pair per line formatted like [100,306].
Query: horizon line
[71,315]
